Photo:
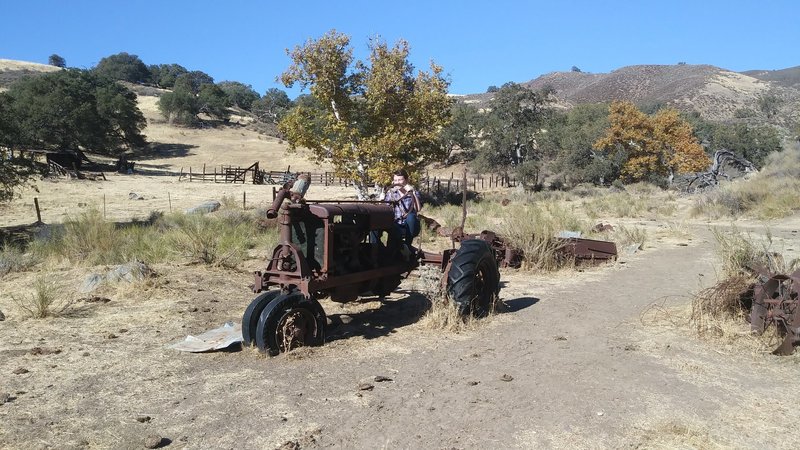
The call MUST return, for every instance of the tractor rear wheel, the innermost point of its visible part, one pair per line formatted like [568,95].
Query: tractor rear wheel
[290,321]
[252,314]
[473,281]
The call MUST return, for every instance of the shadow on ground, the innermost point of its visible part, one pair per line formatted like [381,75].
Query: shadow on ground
[158,150]
[390,316]
[517,304]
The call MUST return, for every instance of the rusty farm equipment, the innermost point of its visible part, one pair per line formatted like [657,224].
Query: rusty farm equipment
[776,302]
[325,250]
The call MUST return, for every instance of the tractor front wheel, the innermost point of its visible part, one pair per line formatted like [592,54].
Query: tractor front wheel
[473,281]
[290,321]
[252,314]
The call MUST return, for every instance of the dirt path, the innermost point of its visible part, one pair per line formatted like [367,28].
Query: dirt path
[587,371]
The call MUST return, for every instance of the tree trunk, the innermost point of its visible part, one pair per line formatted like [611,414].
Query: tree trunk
[361,182]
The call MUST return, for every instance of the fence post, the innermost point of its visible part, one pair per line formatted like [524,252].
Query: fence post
[244,200]
[38,212]
[274,193]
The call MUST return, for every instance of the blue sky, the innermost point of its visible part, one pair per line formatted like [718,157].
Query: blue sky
[478,43]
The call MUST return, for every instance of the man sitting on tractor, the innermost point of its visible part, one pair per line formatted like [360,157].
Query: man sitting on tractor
[407,205]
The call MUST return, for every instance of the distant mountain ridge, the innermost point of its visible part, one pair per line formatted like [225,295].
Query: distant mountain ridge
[789,77]
[716,93]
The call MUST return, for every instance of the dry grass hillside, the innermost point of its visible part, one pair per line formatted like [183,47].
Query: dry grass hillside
[11,71]
[174,148]
[789,77]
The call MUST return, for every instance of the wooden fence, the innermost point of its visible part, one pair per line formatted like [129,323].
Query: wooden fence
[475,183]
[230,174]
[225,174]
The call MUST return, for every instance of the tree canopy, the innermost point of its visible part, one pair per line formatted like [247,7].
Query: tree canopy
[659,145]
[164,75]
[571,136]
[74,110]
[181,105]
[509,133]
[239,94]
[124,67]
[56,60]
[213,101]
[194,80]
[272,106]
[376,116]
[460,133]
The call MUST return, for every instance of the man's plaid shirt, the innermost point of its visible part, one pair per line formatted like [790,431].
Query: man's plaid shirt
[404,204]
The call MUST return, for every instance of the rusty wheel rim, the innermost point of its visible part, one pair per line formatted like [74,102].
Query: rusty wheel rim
[296,327]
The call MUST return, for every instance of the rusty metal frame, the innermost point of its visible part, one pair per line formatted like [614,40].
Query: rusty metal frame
[776,302]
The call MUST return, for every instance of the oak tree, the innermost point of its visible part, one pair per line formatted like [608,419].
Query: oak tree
[123,66]
[56,60]
[240,95]
[510,130]
[661,145]
[272,106]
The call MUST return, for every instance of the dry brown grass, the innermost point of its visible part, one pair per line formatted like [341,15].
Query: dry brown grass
[714,307]
[625,236]
[14,259]
[47,299]
[443,314]
[678,434]
[772,193]
[720,311]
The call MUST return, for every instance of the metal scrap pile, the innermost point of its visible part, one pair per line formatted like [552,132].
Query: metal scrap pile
[775,302]
[581,250]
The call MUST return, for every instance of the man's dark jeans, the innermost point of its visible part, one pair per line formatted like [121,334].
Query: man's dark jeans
[400,232]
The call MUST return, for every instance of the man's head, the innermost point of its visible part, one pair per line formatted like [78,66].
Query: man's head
[400,178]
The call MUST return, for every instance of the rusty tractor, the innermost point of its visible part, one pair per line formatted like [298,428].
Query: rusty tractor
[325,250]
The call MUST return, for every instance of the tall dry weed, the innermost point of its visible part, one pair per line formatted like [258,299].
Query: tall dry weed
[47,299]
[625,236]
[443,314]
[219,239]
[532,228]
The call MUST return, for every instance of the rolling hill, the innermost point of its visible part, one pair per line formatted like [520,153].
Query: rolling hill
[717,94]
